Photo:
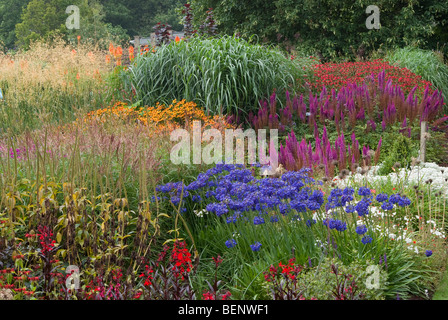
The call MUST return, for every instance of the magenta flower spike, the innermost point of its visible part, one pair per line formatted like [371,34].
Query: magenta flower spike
[295,105]
[273,100]
[405,123]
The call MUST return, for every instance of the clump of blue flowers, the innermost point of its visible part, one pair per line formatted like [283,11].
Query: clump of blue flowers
[361,229]
[366,239]
[256,246]
[230,243]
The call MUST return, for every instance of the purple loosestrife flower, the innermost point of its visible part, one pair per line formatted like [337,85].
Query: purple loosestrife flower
[256,246]
[230,243]
[361,229]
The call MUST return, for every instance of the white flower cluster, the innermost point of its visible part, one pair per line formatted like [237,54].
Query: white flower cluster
[416,175]
[400,227]
[200,213]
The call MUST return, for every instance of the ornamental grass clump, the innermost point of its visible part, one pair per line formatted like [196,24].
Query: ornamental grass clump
[49,83]
[424,63]
[224,75]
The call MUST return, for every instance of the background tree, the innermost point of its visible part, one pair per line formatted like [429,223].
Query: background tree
[41,19]
[10,11]
[333,28]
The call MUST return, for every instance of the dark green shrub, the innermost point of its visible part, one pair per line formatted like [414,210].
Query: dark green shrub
[333,27]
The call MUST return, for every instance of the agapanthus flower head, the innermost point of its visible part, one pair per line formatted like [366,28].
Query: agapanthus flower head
[364,191]
[404,202]
[230,243]
[382,197]
[387,206]
[350,208]
[366,239]
[362,207]
[256,246]
[394,198]
[258,220]
[361,229]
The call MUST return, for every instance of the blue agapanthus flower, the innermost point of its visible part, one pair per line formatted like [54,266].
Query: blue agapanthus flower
[309,222]
[366,239]
[350,208]
[362,207]
[382,197]
[364,191]
[361,229]
[404,202]
[256,246]
[258,220]
[335,224]
[230,243]
[218,208]
[387,206]
[394,198]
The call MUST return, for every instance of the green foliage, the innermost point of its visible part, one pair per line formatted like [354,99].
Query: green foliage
[41,20]
[94,30]
[320,282]
[401,152]
[223,75]
[10,11]
[406,274]
[424,63]
[333,28]
[139,16]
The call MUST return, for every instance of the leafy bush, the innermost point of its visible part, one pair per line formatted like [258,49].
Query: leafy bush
[400,152]
[223,75]
[341,30]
